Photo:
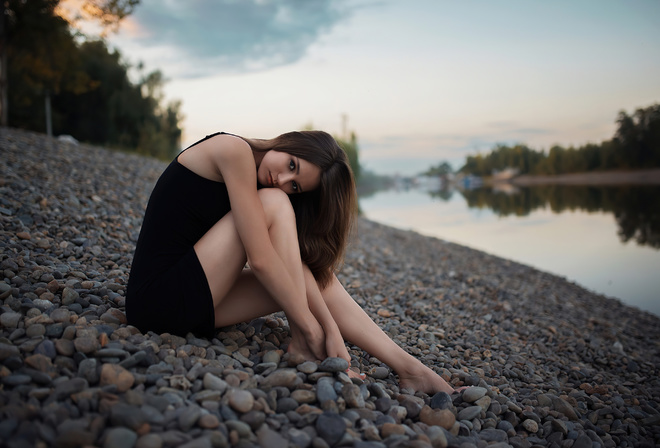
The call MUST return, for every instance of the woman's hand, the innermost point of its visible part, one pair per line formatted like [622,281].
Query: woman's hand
[336,348]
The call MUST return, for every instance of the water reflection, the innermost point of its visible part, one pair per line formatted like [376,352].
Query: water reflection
[636,209]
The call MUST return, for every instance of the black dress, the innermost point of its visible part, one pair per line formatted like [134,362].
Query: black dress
[167,289]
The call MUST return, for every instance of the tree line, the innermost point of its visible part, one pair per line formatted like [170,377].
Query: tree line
[635,145]
[47,62]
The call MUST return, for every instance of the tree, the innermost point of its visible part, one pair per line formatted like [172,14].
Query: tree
[38,40]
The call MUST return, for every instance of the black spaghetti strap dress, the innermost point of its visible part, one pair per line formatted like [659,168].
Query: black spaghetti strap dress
[167,289]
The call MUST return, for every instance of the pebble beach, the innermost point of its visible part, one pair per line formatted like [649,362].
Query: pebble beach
[550,363]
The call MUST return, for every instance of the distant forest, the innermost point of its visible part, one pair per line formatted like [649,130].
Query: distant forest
[45,60]
[635,145]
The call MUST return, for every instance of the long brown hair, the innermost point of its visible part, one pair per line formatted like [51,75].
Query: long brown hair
[325,215]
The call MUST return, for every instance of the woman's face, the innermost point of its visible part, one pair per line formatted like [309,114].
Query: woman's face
[289,173]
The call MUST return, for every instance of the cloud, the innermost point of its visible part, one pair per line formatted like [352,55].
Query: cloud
[232,36]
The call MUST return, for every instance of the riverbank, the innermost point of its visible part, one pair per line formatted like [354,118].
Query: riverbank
[639,177]
[554,364]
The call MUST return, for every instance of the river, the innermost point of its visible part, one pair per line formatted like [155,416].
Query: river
[606,239]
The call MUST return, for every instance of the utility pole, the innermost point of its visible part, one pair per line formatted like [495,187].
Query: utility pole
[49,121]
[4,90]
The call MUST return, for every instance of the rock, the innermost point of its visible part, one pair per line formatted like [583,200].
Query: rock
[562,406]
[212,382]
[10,319]
[379,373]
[149,441]
[120,438]
[117,375]
[330,427]
[208,421]
[437,417]
[325,390]
[530,426]
[333,365]
[69,296]
[128,416]
[241,400]
[281,378]
[189,417]
[469,413]
[472,394]
[268,437]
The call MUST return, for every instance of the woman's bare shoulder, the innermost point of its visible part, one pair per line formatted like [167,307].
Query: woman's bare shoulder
[206,158]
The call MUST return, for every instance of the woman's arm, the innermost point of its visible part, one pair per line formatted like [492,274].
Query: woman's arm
[230,159]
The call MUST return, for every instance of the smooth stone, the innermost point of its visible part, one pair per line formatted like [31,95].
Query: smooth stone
[353,396]
[437,417]
[122,414]
[60,315]
[272,356]
[149,441]
[472,394]
[212,382]
[325,390]
[7,350]
[330,427]
[35,330]
[281,378]
[86,345]
[470,413]
[69,296]
[118,376]
[307,367]
[120,438]
[241,400]
[10,319]
[530,426]
[271,439]
[333,365]
[562,406]
[493,435]
[65,389]
[441,400]
[189,417]
[16,379]
[208,421]
[380,373]
[46,348]
[304,396]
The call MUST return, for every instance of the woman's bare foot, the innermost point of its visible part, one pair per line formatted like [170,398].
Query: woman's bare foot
[299,347]
[353,374]
[309,344]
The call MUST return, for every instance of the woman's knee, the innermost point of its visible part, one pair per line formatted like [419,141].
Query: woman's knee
[276,204]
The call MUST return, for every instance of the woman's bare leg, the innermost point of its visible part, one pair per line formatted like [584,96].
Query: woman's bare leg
[222,256]
[356,326]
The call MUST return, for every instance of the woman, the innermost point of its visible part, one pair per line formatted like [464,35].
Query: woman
[208,215]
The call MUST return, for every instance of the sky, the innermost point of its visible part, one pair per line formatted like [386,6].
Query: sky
[418,81]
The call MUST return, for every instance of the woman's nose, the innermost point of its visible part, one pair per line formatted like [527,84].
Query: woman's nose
[282,179]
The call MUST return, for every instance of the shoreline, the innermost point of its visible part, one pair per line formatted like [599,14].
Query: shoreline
[601,178]
[551,362]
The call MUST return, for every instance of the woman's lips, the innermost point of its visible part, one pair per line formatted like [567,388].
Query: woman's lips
[270,179]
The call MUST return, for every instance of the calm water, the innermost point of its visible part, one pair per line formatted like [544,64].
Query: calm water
[606,239]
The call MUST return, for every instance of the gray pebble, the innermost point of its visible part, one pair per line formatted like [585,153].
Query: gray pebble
[120,438]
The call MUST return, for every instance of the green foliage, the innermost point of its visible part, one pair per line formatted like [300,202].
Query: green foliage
[442,169]
[92,97]
[350,147]
[635,145]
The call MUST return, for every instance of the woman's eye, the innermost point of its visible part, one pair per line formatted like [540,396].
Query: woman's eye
[294,185]
[292,165]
